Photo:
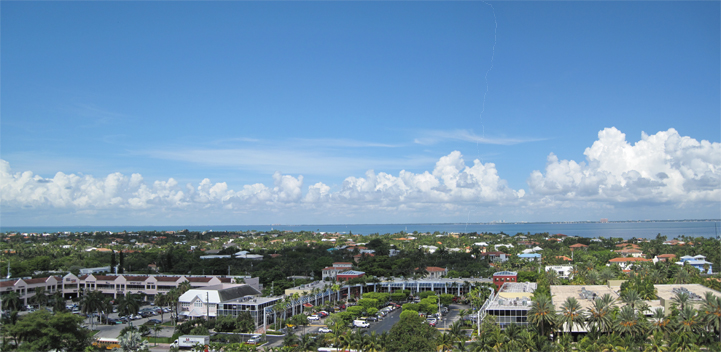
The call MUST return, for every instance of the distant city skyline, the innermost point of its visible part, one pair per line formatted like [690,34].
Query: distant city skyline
[124,113]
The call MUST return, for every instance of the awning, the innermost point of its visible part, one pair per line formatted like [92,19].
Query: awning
[307,305]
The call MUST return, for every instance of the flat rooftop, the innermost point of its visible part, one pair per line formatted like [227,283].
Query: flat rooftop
[698,291]
[559,294]
[519,287]
[250,300]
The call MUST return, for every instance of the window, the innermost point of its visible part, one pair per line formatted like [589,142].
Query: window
[198,303]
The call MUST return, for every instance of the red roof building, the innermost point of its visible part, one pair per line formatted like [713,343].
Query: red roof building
[502,277]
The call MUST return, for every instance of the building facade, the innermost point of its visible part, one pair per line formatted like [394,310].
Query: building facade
[502,277]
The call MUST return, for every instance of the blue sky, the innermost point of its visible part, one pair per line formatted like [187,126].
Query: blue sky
[592,109]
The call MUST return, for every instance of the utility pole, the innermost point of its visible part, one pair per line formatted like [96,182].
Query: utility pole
[207,305]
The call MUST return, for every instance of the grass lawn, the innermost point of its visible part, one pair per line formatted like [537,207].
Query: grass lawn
[152,339]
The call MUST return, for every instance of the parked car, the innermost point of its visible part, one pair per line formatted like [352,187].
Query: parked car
[313,318]
[254,340]
[372,318]
[154,321]
[324,330]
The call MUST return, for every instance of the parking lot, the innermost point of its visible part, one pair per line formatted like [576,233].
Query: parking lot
[113,330]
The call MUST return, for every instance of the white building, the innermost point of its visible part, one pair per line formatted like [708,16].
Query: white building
[204,302]
[563,271]
[338,267]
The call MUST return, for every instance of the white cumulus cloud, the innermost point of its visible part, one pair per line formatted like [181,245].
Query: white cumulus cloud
[660,168]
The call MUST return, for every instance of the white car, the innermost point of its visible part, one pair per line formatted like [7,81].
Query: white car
[324,330]
[314,318]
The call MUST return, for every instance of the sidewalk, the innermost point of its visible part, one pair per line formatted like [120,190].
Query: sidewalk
[161,347]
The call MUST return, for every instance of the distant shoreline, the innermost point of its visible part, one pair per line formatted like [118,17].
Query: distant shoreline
[386,224]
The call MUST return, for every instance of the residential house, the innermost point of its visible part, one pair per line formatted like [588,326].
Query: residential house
[627,263]
[698,262]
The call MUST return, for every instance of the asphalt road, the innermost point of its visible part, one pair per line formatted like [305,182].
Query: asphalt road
[386,323]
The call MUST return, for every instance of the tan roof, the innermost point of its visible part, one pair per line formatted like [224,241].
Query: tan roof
[628,251]
[578,245]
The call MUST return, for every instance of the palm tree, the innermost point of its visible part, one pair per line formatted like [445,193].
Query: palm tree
[571,313]
[444,342]
[682,277]
[631,297]
[687,320]
[372,343]
[599,314]
[542,313]
[591,277]
[58,302]
[173,297]
[11,300]
[656,344]
[627,322]
[463,313]
[128,304]
[306,343]
[40,297]
[711,312]
[553,278]
[659,321]
[184,287]
[681,299]
[161,300]
[456,330]
[90,303]
[606,274]
[290,340]
[336,289]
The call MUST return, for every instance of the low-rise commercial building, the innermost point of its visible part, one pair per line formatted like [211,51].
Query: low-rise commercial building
[501,277]
[511,304]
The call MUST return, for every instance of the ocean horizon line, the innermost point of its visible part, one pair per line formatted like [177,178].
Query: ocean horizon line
[560,222]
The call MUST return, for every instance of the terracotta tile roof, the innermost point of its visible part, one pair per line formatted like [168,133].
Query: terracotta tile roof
[36,281]
[7,283]
[667,256]
[167,278]
[225,279]
[199,279]
[83,277]
[563,257]
[431,269]
[105,277]
[578,245]
[136,278]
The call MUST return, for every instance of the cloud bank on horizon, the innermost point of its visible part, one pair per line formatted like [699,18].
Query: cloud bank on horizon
[663,169]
